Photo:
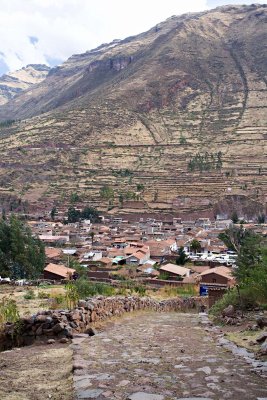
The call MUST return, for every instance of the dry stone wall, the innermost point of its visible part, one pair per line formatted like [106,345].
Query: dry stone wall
[63,324]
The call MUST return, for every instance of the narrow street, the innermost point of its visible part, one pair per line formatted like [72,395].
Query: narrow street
[154,356]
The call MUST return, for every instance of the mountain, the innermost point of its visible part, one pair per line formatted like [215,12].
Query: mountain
[15,82]
[171,120]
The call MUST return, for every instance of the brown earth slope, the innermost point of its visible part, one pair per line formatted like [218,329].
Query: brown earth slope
[173,119]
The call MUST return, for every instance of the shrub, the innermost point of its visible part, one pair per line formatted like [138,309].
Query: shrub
[86,288]
[43,295]
[141,290]
[245,299]
[8,311]
[72,295]
[29,295]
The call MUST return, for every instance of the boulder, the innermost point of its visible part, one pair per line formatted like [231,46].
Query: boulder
[261,322]
[263,349]
[51,341]
[228,311]
[262,337]
[58,327]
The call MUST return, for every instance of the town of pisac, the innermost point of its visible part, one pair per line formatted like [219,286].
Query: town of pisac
[133,200]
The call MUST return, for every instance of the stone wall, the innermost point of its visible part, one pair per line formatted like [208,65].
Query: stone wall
[63,324]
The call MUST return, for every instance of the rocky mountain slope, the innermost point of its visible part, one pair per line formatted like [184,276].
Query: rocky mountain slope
[13,83]
[173,120]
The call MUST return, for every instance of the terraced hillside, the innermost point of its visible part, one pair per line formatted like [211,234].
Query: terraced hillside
[173,120]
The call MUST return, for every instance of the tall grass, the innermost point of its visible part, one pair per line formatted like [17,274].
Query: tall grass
[8,311]
[88,289]
[183,291]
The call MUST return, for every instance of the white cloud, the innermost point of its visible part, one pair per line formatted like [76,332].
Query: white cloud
[66,27]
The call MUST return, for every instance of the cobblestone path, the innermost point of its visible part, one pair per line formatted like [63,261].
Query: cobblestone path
[153,356]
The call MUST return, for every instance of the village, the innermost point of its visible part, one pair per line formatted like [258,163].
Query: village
[147,251]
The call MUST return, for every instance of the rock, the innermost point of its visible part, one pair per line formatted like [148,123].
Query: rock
[51,341]
[262,337]
[59,327]
[39,331]
[254,328]
[263,349]
[41,318]
[89,393]
[228,311]
[91,331]
[63,340]
[145,396]
[82,303]
[93,316]
[261,322]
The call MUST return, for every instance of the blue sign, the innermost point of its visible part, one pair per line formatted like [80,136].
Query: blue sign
[203,290]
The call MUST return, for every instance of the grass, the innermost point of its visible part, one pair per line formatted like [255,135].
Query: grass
[8,311]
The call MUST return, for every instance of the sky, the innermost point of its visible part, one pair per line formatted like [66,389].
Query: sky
[50,31]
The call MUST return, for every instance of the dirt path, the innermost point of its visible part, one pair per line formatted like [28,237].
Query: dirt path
[161,357]
[36,373]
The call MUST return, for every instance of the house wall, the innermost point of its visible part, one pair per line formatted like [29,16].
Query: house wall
[53,277]
[214,278]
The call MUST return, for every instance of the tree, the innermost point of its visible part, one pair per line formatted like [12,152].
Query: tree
[261,218]
[73,215]
[92,235]
[21,255]
[90,213]
[234,217]
[107,193]
[234,237]
[182,257]
[53,213]
[195,245]
[74,197]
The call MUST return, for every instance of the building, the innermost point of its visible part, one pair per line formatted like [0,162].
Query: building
[58,272]
[175,271]
[218,275]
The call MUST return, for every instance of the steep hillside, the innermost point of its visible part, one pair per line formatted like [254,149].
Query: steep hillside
[15,82]
[173,120]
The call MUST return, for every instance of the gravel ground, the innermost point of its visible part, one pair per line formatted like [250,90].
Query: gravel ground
[36,373]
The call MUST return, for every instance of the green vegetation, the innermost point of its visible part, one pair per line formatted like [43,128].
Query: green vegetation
[21,255]
[124,173]
[7,123]
[251,271]
[107,193]
[234,217]
[205,162]
[74,198]
[87,289]
[182,140]
[184,291]
[182,257]
[261,218]
[53,213]
[75,215]
[72,295]
[29,295]
[195,245]
[8,311]
[140,187]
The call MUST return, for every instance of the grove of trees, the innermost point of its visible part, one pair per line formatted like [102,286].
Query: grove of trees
[21,255]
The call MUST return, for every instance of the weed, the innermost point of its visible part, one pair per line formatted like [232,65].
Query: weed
[29,295]
[8,311]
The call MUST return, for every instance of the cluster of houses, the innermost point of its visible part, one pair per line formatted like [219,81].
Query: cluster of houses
[146,249]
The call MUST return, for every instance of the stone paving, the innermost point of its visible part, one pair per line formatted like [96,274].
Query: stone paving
[154,356]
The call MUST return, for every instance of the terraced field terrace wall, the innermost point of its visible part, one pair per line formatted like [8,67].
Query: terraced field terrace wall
[194,85]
